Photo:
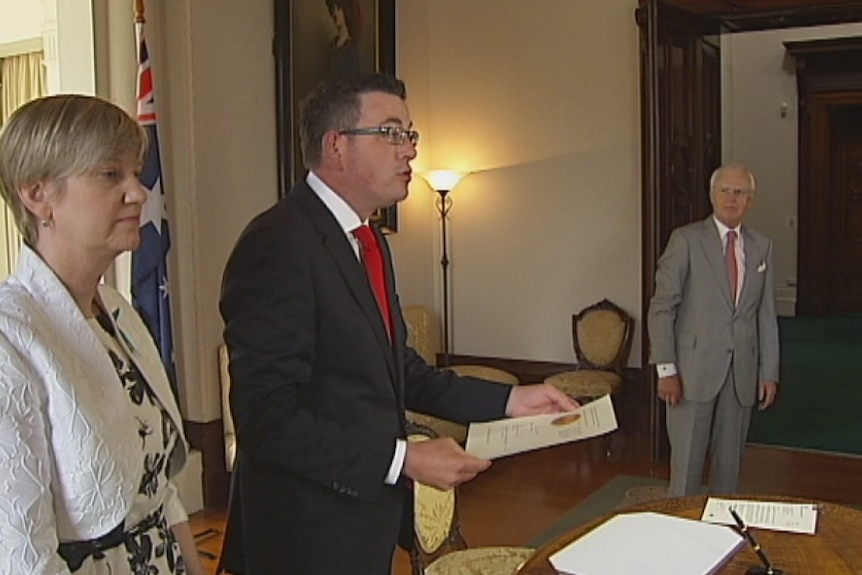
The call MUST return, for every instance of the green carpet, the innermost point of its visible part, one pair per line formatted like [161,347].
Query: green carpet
[820,397]
[621,491]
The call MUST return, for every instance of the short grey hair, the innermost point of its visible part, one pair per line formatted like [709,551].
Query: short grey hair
[727,167]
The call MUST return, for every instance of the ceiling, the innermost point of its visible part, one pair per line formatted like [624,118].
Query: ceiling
[746,15]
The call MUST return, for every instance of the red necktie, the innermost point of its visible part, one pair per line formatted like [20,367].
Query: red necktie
[372,260]
[730,260]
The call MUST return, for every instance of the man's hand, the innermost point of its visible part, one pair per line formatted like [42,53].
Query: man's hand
[766,392]
[538,399]
[441,463]
[670,389]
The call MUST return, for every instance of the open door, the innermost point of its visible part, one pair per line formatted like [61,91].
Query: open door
[681,140]
[829,84]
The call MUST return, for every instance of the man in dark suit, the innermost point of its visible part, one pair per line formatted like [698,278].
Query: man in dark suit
[714,335]
[321,375]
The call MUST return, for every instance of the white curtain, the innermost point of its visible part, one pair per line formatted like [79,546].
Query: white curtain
[22,78]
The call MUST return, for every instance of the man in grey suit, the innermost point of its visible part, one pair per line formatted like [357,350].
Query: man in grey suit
[714,335]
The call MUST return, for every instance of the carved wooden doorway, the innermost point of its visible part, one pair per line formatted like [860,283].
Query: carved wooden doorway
[681,119]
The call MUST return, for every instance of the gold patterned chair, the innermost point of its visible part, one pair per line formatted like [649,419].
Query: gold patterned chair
[444,427]
[602,336]
[420,332]
[227,418]
[419,337]
[439,548]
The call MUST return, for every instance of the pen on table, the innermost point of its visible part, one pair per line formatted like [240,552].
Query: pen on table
[769,570]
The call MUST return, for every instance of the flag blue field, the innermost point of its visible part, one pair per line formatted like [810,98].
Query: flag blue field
[150,285]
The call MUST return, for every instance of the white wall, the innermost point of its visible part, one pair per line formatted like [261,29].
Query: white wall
[20,20]
[59,28]
[759,79]
[540,100]
[216,90]
[213,68]
[75,45]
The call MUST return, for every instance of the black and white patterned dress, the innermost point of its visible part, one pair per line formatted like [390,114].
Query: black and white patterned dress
[150,549]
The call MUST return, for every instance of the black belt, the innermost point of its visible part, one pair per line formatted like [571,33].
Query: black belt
[75,552]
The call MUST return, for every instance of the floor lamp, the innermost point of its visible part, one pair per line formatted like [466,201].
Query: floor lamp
[443,182]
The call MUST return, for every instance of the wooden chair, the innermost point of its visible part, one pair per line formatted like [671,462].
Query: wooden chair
[419,337]
[446,428]
[227,418]
[420,332]
[602,336]
[439,548]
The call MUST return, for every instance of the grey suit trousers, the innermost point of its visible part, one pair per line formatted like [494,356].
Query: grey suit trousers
[688,426]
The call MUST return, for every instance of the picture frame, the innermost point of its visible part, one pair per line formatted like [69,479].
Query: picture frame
[308,47]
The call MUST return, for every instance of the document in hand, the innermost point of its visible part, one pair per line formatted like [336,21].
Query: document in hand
[509,436]
[652,543]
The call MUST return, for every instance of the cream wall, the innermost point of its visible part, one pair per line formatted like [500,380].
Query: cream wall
[216,96]
[759,79]
[569,177]
[540,100]
[20,20]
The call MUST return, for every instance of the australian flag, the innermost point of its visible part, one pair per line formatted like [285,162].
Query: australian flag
[150,287]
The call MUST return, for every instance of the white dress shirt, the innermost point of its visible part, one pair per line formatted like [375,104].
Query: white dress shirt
[349,221]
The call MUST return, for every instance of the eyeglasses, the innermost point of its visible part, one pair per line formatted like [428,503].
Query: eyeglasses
[736,192]
[392,134]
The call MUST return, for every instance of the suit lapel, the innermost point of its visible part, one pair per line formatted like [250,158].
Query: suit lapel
[713,251]
[338,246]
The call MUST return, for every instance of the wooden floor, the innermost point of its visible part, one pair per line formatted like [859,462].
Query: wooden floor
[520,496]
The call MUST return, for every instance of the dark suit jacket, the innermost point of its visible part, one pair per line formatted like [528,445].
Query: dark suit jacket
[318,394]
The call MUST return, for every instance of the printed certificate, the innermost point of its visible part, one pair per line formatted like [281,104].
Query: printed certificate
[494,439]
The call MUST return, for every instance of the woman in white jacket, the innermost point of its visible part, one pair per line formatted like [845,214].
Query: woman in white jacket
[90,434]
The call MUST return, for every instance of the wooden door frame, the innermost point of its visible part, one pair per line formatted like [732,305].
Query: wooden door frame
[828,74]
[648,16]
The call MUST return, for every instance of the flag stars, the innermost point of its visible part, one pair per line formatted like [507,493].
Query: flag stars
[154,208]
[164,287]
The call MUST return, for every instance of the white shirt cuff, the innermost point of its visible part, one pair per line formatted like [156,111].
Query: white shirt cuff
[665,369]
[397,462]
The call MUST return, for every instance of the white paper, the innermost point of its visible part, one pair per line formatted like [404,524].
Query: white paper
[792,517]
[494,439]
[651,543]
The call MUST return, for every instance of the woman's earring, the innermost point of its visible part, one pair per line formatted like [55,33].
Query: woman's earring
[46,223]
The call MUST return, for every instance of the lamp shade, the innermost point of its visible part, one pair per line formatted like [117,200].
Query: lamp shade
[443,180]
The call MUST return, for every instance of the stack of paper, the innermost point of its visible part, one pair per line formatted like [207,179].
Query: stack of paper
[649,543]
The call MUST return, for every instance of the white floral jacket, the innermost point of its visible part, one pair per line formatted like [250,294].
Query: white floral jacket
[70,463]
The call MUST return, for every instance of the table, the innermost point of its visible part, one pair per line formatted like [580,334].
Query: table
[836,548]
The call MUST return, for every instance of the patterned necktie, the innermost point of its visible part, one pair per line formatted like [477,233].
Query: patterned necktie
[730,261]
[372,260]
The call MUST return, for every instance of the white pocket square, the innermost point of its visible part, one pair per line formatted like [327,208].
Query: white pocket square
[761,268]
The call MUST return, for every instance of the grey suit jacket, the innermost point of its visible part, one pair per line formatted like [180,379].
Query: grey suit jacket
[693,323]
